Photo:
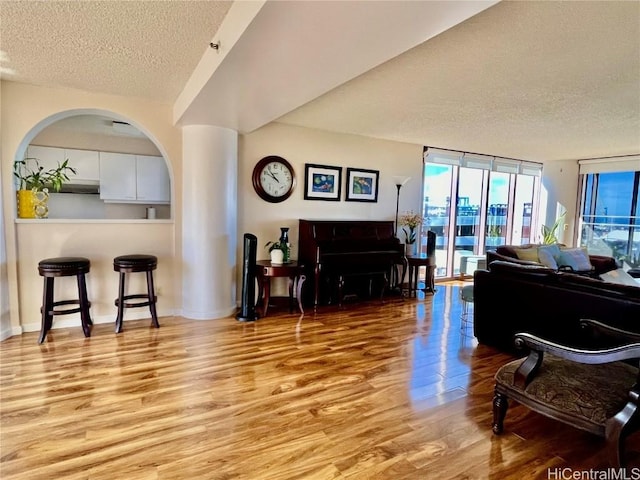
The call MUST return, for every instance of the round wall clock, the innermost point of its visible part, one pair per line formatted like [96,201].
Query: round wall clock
[274,179]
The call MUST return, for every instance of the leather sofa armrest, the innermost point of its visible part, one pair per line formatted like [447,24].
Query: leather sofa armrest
[602,263]
[514,268]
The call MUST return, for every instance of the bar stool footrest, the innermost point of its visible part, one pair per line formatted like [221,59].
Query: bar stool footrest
[66,311]
[136,304]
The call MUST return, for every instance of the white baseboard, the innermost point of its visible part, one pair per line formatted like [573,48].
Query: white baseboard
[74,320]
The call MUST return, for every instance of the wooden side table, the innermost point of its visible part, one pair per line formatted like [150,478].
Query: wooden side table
[265,271]
[415,262]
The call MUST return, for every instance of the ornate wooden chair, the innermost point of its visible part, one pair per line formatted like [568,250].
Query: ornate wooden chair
[595,390]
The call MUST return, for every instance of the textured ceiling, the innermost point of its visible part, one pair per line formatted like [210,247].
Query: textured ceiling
[533,80]
[134,48]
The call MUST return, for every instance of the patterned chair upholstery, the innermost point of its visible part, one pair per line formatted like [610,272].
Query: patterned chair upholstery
[594,390]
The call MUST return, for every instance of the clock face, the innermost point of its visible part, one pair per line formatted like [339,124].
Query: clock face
[273,179]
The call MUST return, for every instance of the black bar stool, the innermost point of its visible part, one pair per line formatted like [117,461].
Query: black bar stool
[131,264]
[64,267]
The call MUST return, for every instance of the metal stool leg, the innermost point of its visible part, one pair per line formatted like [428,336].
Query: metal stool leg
[466,297]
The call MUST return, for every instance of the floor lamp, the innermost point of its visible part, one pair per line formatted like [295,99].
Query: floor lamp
[399,181]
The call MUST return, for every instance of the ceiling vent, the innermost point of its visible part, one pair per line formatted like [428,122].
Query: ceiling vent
[124,128]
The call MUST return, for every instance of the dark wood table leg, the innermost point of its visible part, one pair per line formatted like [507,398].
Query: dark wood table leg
[316,293]
[292,280]
[260,300]
[385,284]
[266,282]
[301,279]
[416,272]
[265,271]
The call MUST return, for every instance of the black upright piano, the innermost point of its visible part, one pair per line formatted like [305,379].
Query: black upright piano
[332,248]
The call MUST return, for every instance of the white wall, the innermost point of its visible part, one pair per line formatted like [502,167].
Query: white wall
[26,110]
[5,318]
[559,193]
[55,136]
[300,146]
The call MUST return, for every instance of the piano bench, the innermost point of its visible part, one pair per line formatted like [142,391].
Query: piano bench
[370,275]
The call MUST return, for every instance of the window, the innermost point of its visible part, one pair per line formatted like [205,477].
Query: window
[493,203]
[498,216]
[609,222]
[437,196]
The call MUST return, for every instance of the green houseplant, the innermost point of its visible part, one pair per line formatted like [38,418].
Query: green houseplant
[33,183]
[549,233]
[276,250]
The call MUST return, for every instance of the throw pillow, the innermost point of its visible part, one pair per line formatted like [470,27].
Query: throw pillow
[529,254]
[574,258]
[548,255]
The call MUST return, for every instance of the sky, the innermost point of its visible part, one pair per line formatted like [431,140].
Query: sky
[437,187]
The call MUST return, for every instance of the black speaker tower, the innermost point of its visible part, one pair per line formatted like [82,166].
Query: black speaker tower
[247,311]
[431,243]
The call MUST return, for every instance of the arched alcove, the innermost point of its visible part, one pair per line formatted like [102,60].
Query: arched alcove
[122,171]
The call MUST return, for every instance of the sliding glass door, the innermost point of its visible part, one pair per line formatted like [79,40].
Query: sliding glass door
[609,222]
[492,205]
[438,184]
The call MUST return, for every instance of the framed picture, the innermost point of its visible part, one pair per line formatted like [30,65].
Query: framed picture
[362,185]
[322,182]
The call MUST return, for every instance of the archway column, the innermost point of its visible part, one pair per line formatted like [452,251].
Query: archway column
[209,221]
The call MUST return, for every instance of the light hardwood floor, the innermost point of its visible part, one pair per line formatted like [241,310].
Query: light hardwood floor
[368,391]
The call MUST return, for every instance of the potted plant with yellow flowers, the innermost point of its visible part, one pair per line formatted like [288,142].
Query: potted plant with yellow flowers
[33,184]
[410,221]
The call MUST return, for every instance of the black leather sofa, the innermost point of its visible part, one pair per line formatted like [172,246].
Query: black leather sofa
[513,297]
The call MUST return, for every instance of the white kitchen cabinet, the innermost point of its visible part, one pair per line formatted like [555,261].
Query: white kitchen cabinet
[85,162]
[134,178]
[152,179]
[48,157]
[124,178]
[117,176]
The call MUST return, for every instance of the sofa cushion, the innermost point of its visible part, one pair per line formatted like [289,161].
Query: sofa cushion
[507,250]
[574,258]
[493,255]
[549,255]
[600,263]
[529,254]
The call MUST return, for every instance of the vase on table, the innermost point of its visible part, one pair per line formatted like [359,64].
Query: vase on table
[410,249]
[33,203]
[284,243]
[277,256]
